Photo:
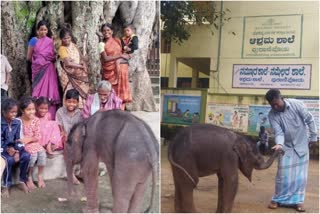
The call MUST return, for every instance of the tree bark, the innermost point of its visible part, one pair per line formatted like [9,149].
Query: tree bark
[14,38]
[143,21]
[53,13]
[89,24]
[85,18]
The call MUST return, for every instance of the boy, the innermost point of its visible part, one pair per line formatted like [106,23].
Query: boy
[129,42]
[69,115]
[5,76]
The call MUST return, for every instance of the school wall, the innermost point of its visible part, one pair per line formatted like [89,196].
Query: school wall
[244,104]
[182,69]
[191,92]
[203,44]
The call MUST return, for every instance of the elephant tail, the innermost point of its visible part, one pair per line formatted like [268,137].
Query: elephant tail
[154,183]
[180,167]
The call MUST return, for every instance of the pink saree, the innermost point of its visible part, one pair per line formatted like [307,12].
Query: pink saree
[44,75]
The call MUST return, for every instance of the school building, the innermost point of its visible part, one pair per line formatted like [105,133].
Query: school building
[221,78]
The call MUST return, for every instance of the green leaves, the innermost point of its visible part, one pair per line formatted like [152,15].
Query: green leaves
[26,14]
[174,16]
[21,11]
[178,15]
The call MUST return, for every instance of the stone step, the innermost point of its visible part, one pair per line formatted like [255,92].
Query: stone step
[156,90]
[155,85]
[155,80]
[55,168]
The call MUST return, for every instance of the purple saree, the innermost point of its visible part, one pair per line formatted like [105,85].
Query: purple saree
[44,76]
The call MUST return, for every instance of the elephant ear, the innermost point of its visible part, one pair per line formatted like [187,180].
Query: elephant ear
[243,151]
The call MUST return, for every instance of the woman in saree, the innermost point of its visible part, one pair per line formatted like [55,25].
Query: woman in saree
[44,76]
[74,73]
[115,64]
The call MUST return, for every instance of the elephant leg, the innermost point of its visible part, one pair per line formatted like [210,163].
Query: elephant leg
[220,193]
[229,190]
[90,172]
[187,199]
[177,194]
[183,192]
[123,186]
[110,173]
[137,198]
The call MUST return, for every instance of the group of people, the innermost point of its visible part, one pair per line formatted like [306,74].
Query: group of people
[114,56]
[36,126]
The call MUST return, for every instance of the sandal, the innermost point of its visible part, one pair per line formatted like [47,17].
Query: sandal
[300,208]
[273,205]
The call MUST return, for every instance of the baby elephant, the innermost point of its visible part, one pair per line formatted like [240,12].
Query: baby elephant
[127,146]
[202,150]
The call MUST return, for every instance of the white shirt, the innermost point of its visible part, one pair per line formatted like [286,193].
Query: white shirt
[290,126]
[5,68]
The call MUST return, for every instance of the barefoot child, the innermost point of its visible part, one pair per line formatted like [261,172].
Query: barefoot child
[12,151]
[31,139]
[69,115]
[49,129]
[130,41]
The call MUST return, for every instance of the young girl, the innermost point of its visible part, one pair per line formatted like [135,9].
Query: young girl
[31,139]
[49,129]
[12,151]
[44,76]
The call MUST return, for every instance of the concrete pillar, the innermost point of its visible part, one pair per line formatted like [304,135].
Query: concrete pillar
[195,77]
[173,72]
[213,83]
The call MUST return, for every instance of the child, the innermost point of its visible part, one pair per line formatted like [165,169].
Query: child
[49,129]
[11,149]
[69,115]
[263,140]
[31,139]
[5,76]
[130,41]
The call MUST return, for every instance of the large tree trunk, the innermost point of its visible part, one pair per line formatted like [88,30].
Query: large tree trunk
[85,18]
[89,25]
[17,19]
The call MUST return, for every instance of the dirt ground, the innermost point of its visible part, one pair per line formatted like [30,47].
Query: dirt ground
[251,197]
[46,200]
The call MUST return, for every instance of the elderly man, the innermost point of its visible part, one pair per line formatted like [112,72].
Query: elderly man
[105,99]
[290,120]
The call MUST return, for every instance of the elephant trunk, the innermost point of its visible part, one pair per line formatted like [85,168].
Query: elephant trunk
[261,164]
[69,169]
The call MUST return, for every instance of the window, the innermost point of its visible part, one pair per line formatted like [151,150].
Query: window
[165,45]
[164,82]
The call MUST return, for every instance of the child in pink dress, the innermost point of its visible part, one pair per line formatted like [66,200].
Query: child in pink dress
[49,129]
[31,138]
